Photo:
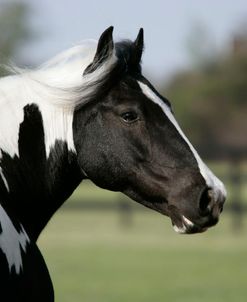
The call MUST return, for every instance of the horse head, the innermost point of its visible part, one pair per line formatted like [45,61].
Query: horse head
[127,139]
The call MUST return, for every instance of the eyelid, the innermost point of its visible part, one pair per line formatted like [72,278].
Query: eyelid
[135,115]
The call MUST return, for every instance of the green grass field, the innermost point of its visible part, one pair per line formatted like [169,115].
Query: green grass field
[93,257]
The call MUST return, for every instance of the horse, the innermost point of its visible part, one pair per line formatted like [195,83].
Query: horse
[89,113]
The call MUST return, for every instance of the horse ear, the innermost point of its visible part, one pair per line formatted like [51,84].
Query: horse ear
[104,50]
[139,45]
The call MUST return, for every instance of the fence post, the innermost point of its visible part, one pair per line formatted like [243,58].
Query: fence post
[125,211]
[237,204]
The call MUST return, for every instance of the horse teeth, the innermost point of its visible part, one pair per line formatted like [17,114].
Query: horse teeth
[180,230]
[187,221]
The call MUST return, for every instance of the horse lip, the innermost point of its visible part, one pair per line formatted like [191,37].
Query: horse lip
[188,227]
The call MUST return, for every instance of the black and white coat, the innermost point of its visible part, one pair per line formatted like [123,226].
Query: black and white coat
[38,170]
[46,151]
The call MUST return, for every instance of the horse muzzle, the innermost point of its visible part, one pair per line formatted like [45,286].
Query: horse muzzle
[207,215]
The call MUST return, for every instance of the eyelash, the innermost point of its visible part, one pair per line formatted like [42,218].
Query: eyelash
[129,116]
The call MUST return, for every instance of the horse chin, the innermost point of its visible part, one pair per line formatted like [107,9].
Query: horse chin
[186,226]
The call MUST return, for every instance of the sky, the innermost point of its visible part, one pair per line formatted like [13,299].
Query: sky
[60,24]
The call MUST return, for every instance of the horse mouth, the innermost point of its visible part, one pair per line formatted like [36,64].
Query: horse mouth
[186,226]
[181,224]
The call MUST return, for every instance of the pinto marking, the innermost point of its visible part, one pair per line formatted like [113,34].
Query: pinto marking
[50,142]
[57,87]
[12,243]
[11,114]
[4,179]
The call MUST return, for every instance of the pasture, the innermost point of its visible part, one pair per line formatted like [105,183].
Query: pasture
[92,256]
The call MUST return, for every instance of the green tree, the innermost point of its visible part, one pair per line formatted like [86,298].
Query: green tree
[14,30]
[210,102]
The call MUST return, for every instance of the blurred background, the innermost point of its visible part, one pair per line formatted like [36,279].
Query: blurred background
[100,246]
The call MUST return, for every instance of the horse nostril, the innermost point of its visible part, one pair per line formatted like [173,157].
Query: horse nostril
[221,204]
[205,200]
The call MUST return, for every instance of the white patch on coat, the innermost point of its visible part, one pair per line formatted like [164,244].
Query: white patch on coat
[211,180]
[12,101]
[12,243]
[56,87]
[57,123]
[4,179]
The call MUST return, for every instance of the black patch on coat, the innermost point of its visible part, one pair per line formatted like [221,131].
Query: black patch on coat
[38,185]
[33,282]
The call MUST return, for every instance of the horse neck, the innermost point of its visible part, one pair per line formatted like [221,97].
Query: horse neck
[38,162]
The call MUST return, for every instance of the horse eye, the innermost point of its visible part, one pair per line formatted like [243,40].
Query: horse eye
[129,117]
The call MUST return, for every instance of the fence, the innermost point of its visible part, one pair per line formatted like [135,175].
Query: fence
[234,175]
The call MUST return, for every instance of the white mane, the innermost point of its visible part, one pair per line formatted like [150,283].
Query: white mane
[60,80]
[57,87]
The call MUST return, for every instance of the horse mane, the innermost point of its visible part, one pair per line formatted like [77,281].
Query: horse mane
[61,82]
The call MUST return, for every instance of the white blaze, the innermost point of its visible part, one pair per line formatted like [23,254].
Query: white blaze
[211,180]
